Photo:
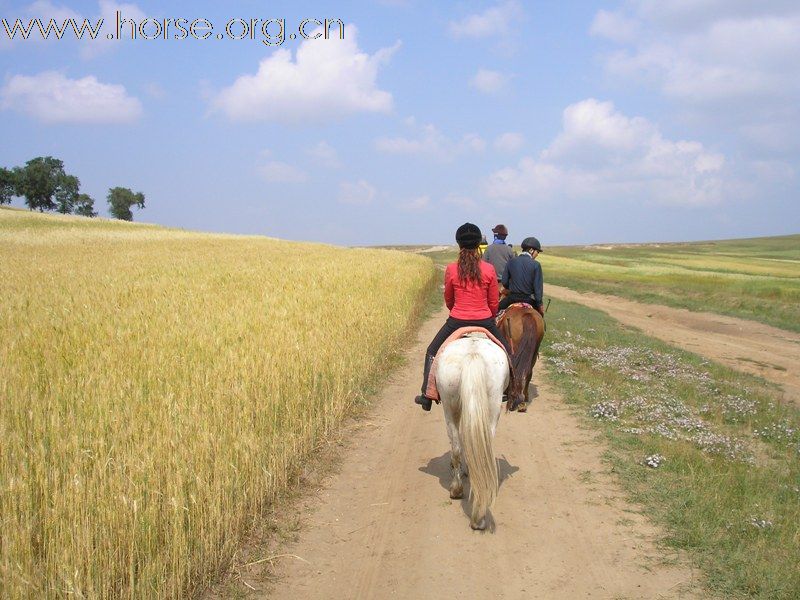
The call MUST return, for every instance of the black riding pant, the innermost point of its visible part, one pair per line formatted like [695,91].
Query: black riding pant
[449,327]
[514,298]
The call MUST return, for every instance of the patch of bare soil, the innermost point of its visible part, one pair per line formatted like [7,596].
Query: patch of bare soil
[432,249]
[762,350]
[385,527]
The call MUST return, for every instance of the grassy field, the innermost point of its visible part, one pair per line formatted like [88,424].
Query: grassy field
[724,454]
[756,279]
[160,387]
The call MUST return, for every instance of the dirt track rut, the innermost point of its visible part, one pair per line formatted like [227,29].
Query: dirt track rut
[748,346]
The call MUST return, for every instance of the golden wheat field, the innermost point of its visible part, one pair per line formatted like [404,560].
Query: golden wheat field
[160,387]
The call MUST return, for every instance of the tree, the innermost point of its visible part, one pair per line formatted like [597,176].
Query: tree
[8,185]
[45,185]
[120,201]
[66,194]
[84,205]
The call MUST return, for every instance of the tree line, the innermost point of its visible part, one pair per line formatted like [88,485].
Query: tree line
[45,185]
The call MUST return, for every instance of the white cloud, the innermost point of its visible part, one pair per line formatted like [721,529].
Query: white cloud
[45,10]
[605,155]
[509,142]
[774,171]
[495,21]
[89,48]
[155,90]
[614,26]
[276,171]
[108,12]
[460,201]
[430,142]
[325,155]
[778,136]
[418,204]
[472,142]
[715,65]
[41,9]
[490,82]
[733,63]
[327,79]
[694,15]
[53,98]
[360,193]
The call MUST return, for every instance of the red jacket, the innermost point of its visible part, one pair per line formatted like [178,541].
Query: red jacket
[471,302]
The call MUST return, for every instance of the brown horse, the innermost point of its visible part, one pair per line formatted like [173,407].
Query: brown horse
[524,328]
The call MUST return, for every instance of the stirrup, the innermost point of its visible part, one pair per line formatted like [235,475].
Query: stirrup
[425,403]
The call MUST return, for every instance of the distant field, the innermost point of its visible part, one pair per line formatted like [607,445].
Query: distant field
[160,387]
[756,279]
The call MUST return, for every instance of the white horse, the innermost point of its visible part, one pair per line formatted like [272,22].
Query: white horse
[471,374]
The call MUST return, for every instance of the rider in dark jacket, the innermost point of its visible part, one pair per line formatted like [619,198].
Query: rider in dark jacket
[523,277]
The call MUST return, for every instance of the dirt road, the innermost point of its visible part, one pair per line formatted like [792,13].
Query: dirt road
[771,353]
[384,526]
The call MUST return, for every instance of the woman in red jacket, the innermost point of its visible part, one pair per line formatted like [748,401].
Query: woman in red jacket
[470,292]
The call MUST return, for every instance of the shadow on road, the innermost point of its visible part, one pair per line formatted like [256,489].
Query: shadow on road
[440,467]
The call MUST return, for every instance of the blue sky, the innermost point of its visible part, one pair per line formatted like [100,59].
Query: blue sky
[576,122]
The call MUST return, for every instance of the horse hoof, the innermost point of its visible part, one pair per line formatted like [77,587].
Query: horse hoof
[479,526]
[457,494]
[523,407]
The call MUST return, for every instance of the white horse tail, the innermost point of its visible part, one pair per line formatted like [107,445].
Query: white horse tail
[476,436]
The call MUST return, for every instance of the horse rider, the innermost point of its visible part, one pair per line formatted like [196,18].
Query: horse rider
[470,292]
[523,277]
[499,253]
[482,246]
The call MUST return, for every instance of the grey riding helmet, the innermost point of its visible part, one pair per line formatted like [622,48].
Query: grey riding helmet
[531,242]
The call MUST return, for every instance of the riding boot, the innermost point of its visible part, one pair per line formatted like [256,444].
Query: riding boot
[422,399]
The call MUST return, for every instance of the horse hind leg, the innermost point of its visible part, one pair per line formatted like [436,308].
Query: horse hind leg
[530,378]
[456,484]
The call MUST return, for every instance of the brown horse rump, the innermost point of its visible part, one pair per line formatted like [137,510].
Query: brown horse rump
[430,390]
[524,328]
[505,321]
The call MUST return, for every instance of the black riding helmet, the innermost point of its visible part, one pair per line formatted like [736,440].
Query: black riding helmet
[468,236]
[531,242]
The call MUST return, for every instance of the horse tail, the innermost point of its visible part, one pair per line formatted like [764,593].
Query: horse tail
[528,345]
[476,435]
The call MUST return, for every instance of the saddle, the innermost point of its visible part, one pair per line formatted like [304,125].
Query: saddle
[430,390]
[501,315]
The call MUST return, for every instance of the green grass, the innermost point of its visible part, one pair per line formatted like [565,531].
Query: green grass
[757,279]
[728,489]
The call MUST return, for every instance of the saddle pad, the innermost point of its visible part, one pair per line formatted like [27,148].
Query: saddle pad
[430,390]
[501,315]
